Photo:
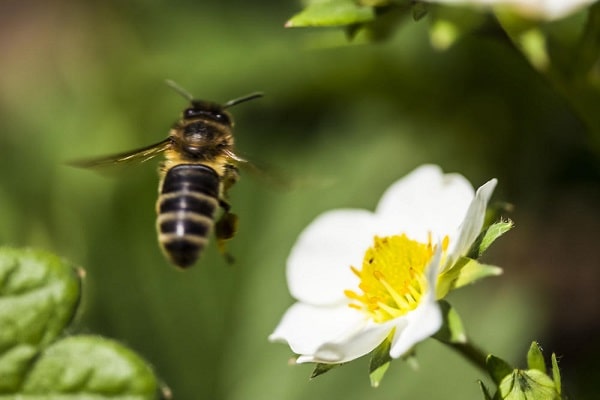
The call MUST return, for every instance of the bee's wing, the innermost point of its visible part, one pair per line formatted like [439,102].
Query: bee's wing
[277,178]
[133,156]
[264,173]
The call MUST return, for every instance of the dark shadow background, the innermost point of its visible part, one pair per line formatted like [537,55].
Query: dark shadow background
[86,79]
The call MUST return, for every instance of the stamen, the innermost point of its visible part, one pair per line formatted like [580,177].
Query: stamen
[395,295]
[392,277]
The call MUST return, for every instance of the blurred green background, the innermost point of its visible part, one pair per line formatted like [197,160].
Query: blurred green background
[81,79]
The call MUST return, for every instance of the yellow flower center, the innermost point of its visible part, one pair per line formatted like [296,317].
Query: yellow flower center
[392,278]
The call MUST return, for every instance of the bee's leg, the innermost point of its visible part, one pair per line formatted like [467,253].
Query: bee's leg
[225,229]
[226,226]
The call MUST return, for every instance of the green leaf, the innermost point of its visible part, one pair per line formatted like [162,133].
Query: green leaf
[589,44]
[13,366]
[321,368]
[450,24]
[387,21]
[419,10]
[488,236]
[527,36]
[39,293]
[87,367]
[452,330]
[535,358]
[556,374]
[497,368]
[374,3]
[332,13]
[380,361]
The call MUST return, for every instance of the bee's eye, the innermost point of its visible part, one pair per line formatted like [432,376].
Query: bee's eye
[190,113]
[204,112]
[220,117]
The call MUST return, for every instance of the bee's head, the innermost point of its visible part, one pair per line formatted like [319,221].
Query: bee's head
[206,110]
[205,126]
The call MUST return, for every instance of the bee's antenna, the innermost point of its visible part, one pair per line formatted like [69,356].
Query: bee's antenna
[239,100]
[179,89]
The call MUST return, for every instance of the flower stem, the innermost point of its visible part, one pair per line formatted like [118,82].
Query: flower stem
[472,353]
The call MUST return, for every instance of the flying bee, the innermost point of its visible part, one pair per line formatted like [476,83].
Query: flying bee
[199,168]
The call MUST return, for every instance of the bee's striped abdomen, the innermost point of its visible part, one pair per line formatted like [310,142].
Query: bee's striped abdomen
[186,207]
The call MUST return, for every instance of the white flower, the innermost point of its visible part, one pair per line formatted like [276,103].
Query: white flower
[544,9]
[360,276]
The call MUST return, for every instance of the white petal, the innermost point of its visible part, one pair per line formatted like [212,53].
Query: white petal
[353,346]
[553,9]
[546,9]
[423,321]
[423,202]
[473,222]
[307,328]
[318,267]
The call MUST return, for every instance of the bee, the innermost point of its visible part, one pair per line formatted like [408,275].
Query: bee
[199,168]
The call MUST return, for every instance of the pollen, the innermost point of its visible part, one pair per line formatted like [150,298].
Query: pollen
[392,277]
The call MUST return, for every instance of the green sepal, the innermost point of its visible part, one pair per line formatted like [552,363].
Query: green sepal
[86,367]
[535,358]
[556,374]
[473,271]
[484,390]
[495,212]
[530,384]
[39,294]
[497,368]
[380,361]
[321,368]
[463,272]
[332,13]
[527,385]
[488,236]
[452,330]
